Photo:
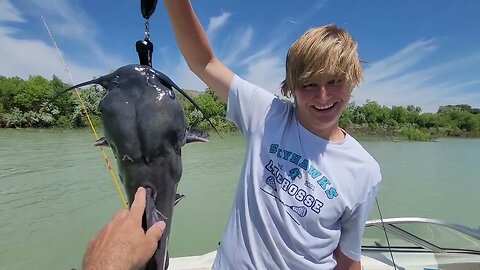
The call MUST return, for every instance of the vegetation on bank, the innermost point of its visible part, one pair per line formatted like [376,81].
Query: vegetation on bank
[22,104]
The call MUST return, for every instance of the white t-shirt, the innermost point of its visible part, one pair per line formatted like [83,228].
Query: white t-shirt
[299,196]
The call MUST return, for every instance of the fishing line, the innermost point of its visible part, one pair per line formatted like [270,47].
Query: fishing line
[85,110]
[386,236]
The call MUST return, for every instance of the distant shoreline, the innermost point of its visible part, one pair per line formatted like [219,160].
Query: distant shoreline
[356,132]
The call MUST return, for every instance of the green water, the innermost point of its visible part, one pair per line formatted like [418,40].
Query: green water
[56,193]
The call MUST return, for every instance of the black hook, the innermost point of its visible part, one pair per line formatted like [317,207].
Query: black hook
[144,51]
[145,47]
[148,7]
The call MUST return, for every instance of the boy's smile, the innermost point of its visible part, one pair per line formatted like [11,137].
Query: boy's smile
[324,107]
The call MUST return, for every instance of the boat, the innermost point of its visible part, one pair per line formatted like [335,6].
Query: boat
[408,243]
[419,243]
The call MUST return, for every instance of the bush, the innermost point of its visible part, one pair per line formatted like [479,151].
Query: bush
[64,122]
[90,99]
[38,119]
[14,119]
[414,134]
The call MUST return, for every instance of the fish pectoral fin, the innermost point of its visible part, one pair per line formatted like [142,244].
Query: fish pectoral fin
[178,198]
[101,142]
[196,136]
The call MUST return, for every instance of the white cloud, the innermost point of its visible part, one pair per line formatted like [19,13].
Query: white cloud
[185,78]
[9,13]
[397,80]
[181,74]
[24,57]
[400,61]
[267,73]
[241,42]
[29,56]
[69,21]
[217,23]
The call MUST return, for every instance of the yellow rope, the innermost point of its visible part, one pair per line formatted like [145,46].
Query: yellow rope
[84,108]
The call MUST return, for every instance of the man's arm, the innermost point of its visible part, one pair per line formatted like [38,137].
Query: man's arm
[344,262]
[196,50]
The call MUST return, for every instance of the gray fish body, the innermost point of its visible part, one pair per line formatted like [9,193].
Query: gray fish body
[144,124]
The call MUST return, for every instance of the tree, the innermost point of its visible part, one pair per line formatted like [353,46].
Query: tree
[347,115]
[374,113]
[210,103]
[9,88]
[32,94]
[399,114]
[90,99]
[65,102]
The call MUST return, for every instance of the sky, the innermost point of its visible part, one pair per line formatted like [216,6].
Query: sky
[423,53]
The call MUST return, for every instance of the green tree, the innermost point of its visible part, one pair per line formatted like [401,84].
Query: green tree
[374,113]
[33,93]
[348,115]
[90,99]
[9,88]
[210,104]
[65,103]
[399,114]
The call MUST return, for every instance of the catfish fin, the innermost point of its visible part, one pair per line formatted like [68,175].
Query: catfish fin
[178,198]
[101,142]
[196,136]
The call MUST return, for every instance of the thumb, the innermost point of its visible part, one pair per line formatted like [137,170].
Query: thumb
[155,232]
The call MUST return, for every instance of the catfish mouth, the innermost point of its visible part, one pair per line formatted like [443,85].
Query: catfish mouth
[152,214]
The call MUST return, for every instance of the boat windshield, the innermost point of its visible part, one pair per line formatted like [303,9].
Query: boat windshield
[418,234]
[442,236]
[375,237]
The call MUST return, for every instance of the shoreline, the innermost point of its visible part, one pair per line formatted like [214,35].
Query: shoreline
[359,134]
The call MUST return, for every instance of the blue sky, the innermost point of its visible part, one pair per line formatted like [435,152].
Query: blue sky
[425,53]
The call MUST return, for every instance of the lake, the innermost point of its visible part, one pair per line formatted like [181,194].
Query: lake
[56,192]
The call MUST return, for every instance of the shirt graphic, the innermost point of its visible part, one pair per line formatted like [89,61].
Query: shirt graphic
[278,181]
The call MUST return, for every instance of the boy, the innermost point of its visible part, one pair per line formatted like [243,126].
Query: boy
[306,187]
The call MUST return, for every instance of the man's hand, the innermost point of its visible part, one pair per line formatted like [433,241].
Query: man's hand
[122,243]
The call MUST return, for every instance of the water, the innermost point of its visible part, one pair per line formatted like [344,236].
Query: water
[56,193]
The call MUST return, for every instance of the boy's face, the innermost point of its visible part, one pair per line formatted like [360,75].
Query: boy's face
[320,103]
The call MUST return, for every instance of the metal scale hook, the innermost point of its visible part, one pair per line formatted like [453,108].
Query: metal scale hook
[145,47]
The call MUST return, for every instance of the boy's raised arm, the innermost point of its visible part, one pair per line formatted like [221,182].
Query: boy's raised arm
[195,47]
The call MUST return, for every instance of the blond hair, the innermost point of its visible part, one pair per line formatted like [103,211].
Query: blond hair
[326,49]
